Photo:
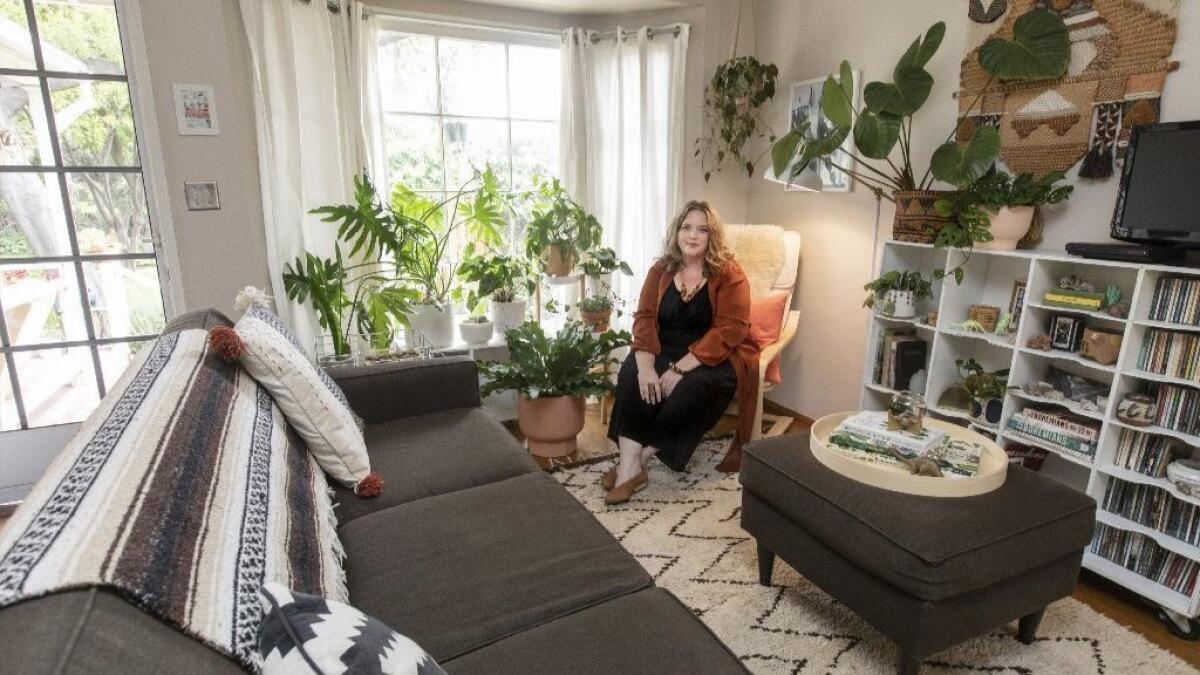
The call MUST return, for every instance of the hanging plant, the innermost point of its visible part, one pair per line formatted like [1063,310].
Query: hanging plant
[733,102]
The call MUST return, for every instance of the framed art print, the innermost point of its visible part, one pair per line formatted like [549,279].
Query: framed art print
[804,102]
[1017,302]
[195,110]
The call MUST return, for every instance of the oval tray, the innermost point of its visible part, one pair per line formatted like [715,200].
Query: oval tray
[993,465]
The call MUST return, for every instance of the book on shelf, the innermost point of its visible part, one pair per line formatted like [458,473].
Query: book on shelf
[1179,408]
[1155,508]
[1061,297]
[1167,352]
[873,424]
[1079,427]
[1142,555]
[1056,438]
[1176,300]
[1146,454]
[899,354]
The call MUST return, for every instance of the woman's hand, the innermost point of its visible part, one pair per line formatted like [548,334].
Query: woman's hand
[649,385]
[668,381]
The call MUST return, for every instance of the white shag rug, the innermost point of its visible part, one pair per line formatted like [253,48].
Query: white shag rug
[684,529]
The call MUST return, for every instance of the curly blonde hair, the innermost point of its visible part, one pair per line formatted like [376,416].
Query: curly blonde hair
[718,251]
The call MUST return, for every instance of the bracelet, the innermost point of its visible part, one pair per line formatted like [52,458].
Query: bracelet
[674,368]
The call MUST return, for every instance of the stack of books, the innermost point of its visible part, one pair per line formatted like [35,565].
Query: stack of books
[1061,432]
[899,354]
[1179,408]
[1081,300]
[1155,508]
[1142,555]
[1146,454]
[1176,300]
[1167,352]
[866,437]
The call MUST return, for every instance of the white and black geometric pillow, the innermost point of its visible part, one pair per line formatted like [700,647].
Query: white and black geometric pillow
[303,633]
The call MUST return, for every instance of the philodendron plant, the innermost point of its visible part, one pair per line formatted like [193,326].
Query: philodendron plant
[733,102]
[1039,49]
[896,280]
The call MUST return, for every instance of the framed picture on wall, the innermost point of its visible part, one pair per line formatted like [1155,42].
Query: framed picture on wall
[804,103]
[195,110]
[1017,302]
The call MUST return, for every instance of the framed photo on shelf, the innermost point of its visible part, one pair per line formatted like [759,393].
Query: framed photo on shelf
[195,110]
[1017,302]
[804,103]
[1065,332]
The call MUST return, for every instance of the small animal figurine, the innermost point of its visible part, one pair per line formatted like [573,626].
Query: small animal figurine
[1074,283]
[919,466]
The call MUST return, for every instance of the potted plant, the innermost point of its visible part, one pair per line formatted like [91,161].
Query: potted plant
[598,269]
[897,293]
[559,230]
[552,376]
[996,211]
[986,388]
[733,102]
[1040,49]
[501,279]
[476,329]
[596,311]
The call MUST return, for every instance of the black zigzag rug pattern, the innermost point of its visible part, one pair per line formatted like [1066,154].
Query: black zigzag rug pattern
[684,529]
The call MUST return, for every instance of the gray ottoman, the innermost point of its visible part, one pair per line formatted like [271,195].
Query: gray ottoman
[927,572]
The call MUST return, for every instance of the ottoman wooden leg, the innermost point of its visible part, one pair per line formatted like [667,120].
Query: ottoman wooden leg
[1028,625]
[907,665]
[766,564]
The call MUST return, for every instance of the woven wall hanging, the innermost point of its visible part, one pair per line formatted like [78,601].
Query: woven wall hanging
[1120,57]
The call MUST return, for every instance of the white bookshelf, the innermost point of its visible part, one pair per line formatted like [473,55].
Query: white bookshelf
[990,277]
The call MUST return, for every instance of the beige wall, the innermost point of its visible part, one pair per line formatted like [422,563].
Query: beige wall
[807,40]
[203,42]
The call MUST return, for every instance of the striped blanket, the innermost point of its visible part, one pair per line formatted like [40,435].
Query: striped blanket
[183,492]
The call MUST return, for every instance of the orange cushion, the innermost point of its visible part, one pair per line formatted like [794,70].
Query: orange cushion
[766,322]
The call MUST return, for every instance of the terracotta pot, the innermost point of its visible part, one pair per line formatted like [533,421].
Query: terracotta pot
[597,321]
[916,219]
[550,424]
[555,263]
[1009,225]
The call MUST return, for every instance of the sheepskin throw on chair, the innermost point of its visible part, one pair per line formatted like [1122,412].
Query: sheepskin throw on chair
[1120,57]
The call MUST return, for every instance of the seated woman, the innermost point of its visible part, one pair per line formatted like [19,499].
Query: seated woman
[689,355]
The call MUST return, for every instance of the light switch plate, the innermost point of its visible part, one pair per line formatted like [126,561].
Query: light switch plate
[202,196]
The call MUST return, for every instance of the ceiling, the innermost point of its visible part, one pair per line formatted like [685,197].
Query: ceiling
[585,7]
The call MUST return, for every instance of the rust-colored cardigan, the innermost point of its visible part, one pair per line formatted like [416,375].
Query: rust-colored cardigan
[729,292]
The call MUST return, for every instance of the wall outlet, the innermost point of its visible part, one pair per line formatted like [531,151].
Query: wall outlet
[202,196]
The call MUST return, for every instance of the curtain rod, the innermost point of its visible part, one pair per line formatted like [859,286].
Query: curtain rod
[434,20]
[624,33]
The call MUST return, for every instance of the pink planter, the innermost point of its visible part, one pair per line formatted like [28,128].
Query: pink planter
[551,424]
[1009,225]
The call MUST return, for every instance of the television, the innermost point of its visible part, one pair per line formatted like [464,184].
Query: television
[1159,199]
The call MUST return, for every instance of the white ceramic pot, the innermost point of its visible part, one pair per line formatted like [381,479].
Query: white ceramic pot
[1009,225]
[475,333]
[601,285]
[508,315]
[434,322]
[899,304]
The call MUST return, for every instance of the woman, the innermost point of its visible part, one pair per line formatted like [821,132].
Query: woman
[689,355]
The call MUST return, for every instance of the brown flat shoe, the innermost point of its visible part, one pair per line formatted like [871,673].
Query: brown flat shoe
[621,493]
[609,479]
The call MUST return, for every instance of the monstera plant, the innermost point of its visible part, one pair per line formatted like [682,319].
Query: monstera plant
[882,129]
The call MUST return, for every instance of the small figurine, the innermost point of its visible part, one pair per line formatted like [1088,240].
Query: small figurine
[1074,283]
[1119,310]
[906,411]
[1005,325]
[919,466]
[1112,295]
[1041,342]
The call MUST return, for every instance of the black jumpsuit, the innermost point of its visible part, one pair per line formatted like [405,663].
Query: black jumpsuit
[676,425]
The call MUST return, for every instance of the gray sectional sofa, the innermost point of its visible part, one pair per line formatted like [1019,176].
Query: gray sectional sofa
[471,550]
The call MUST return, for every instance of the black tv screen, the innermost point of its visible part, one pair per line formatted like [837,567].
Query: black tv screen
[1159,201]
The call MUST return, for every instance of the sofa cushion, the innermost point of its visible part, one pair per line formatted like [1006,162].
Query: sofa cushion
[464,569]
[96,631]
[433,454]
[933,548]
[612,637]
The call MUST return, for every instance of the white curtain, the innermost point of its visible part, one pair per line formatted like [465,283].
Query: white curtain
[313,79]
[622,135]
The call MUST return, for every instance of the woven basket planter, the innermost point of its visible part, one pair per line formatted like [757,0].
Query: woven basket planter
[916,219]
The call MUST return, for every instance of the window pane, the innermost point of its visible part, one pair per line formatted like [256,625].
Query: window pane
[17,50]
[58,385]
[95,125]
[23,117]
[534,151]
[414,151]
[114,358]
[32,220]
[79,37]
[110,213]
[125,298]
[407,81]
[41,303]
[9,419]
[472,78]
[472,144]
[533,81]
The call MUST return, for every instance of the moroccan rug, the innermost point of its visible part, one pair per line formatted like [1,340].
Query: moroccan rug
[684,528]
